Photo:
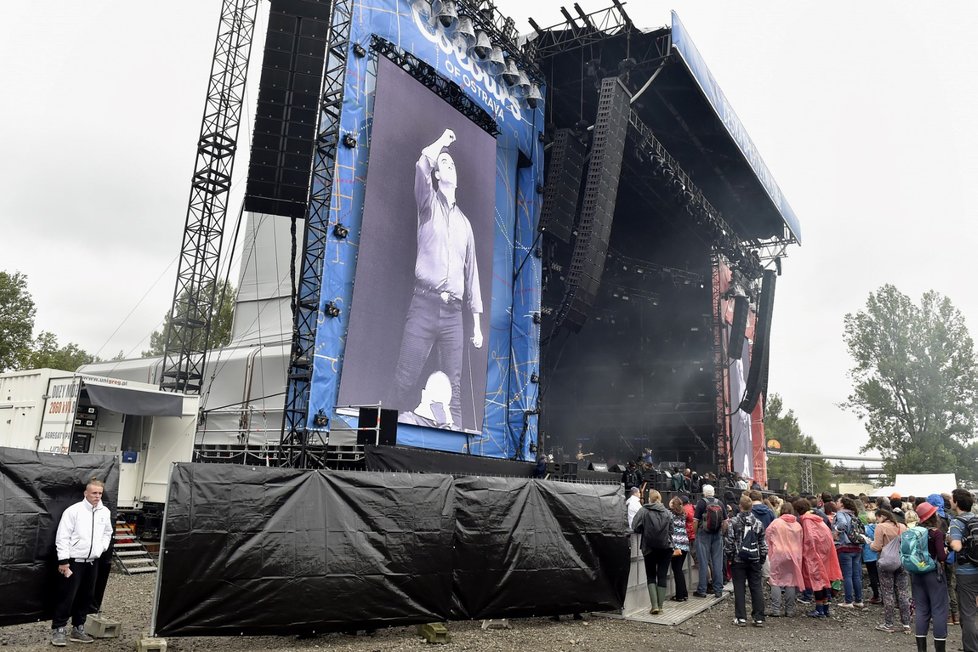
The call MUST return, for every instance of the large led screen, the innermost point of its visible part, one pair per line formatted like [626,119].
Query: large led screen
[418,334]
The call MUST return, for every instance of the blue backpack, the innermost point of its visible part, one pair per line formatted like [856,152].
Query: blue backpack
[914,554]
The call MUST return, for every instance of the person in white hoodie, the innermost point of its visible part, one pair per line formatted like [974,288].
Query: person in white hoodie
[84,533]
[634,503]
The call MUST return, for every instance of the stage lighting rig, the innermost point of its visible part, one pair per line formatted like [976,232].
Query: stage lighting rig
[331,309]
[340,231]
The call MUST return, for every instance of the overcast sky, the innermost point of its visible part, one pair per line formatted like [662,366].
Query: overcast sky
[864,112]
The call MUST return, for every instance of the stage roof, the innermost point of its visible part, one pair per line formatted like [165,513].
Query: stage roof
[684,107]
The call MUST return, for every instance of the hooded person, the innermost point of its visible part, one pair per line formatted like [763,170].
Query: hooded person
[654,523]
[820,565]
[784,546]
[938,501]
[762,512]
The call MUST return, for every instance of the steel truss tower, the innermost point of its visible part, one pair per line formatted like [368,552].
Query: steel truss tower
[193,297]
[300,447]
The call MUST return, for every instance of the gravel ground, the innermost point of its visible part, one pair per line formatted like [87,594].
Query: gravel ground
[129,600]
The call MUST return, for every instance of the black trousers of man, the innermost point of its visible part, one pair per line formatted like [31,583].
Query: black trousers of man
[75,594]
[431,322]
[747,573]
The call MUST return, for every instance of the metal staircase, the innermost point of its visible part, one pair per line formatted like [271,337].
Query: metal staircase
[129,553]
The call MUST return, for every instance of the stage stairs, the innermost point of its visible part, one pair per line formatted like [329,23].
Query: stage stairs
[130,555]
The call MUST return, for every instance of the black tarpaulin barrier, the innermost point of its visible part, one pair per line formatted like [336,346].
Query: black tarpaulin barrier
[406,459]
[275,551]
[529,547]
[35,488]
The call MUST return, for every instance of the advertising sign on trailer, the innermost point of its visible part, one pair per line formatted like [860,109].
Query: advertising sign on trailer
[57,424]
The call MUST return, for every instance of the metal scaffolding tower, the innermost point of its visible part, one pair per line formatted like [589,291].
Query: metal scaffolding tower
[193,297]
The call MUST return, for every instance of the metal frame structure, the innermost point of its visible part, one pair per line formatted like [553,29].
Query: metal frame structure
[597,26]
[721,418]
[189,326]
[296,449]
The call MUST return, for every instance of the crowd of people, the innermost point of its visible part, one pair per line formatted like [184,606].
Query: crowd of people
[920,555]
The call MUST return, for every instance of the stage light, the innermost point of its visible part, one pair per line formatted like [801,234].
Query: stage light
[533,97]
[320,420]
[536,318]
[340,231]
[465,32]
[331,310]
[511,75]
[446,13]
[497,63]
[359,50]
[534,378]
[349,140]
[482,47]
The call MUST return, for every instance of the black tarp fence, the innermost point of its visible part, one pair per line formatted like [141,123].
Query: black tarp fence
[274,551]
[35,488]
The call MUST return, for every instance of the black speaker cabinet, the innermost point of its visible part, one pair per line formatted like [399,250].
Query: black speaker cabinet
[367,427]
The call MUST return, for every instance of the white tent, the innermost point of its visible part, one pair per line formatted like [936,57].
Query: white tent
[919,484]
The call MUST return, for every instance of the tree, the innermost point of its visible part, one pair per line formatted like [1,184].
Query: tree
[222,319]
[47,354]
[16,321]
[785,428]
[915,382]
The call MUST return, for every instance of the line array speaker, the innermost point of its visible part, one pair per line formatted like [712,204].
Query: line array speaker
[757,376]
[288,107]
[598,204]
[563,188]
[735,347]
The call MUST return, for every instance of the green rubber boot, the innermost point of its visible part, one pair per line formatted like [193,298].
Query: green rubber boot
[661,592]
[654,599]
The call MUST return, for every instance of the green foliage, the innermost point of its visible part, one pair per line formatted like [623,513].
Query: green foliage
[222,319]
[784,427]
[47,354]
[18,348]
[915,382]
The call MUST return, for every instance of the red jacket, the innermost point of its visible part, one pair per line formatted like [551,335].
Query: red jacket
[690,524]
[819,563]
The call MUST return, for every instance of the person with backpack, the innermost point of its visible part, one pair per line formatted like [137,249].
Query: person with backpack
[923,554]
[709,515]
[893,581]
[819,563]
[745,545]
[784,545]
[937,500]
[847,530]
[654,523]
[963,535]
[870,558]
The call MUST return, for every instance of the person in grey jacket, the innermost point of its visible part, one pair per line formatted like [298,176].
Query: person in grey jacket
[654,523]
[84,533]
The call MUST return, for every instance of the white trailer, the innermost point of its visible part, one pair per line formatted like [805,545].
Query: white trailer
[54,411]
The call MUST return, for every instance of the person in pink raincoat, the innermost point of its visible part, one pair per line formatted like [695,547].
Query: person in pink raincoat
[784,542]
[819,563]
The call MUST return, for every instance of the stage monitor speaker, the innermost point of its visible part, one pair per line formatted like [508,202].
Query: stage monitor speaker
[291,79]
[367,433]
[757,376]
[735,348]
[565,168]
[774,484]
[597,205]
[598,466]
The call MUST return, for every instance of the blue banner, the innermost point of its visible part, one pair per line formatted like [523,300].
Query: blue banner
[711,89]
[512,337]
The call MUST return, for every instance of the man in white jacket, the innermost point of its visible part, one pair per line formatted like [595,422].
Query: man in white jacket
[84,533]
